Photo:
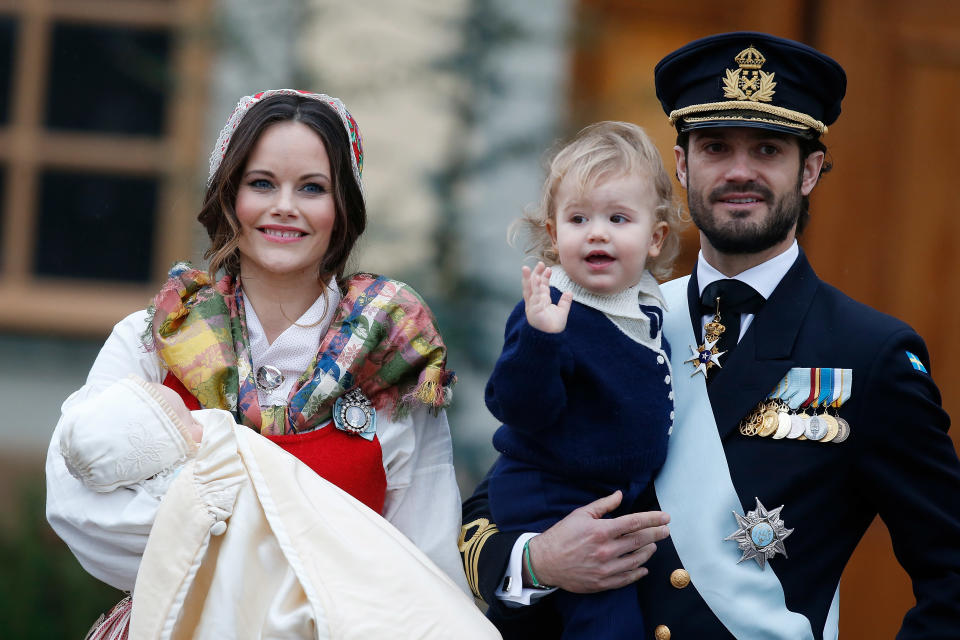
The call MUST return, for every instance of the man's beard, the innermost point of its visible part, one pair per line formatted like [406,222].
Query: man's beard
[741,236]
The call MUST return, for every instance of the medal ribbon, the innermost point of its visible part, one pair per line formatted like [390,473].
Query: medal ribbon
[814,387]
[837,387]
[779,390]
[842,383]
[798,384]
[826,387]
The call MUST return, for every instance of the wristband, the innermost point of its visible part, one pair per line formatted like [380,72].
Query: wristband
[526,559]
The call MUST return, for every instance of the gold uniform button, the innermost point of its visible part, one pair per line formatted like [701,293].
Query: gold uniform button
[662,632]
[679,578]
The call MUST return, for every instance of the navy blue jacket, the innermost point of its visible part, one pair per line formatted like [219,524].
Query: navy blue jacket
[570,407]
[898,463]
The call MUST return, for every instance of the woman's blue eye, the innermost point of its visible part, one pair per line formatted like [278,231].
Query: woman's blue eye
[260,183]
[313,187]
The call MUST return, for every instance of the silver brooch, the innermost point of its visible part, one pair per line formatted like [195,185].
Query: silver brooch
[268,377]
[353,413]
[761,534]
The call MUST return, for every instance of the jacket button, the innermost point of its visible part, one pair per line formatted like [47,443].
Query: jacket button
[662,632]
[679,578]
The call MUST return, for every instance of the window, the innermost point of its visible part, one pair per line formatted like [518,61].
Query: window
[7,32]
[108,79]
[101,114]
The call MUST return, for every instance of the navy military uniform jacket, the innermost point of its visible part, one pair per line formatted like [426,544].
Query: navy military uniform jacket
[898,463]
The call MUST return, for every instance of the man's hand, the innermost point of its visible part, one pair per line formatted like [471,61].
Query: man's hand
[584,553]
[542,314]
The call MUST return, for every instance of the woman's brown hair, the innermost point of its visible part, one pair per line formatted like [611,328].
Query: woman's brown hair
[218,214]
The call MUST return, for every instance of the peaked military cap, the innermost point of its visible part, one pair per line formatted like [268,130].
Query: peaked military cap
[750,79]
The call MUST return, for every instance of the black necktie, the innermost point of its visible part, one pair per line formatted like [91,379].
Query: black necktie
[735,298]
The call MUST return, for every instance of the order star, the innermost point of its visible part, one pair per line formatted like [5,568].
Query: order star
[704,356]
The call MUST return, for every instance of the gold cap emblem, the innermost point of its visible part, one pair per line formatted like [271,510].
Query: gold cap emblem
[748,82]
[750,58]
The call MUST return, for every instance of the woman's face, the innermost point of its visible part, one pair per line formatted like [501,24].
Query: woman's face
[285,204]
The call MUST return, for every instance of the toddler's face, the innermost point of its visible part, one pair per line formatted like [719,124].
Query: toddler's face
[604,234]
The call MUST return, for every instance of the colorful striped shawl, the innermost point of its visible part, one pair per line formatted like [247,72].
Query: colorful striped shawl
[383,338]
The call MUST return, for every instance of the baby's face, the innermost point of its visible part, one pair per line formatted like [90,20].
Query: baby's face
[175,402]
[603,234]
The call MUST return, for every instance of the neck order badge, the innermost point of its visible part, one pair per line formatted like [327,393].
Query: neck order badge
[723,332]
[707,355]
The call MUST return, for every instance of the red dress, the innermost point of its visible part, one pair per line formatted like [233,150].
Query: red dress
[349,461]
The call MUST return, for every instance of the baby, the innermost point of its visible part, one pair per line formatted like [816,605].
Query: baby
[146,421]
[582,385]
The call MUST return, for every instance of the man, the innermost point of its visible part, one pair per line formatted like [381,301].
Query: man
[820,417]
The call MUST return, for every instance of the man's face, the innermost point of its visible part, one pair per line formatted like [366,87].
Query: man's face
[745,185]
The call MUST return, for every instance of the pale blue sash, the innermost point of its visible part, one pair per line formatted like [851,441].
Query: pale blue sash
[695,488]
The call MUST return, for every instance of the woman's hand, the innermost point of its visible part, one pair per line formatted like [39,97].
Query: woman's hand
[585,553]
[175,402]
[542,314]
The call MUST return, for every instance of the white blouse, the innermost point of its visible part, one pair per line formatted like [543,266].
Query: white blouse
[108,532]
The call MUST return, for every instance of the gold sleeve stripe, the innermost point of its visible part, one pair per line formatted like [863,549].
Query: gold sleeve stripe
[473,536]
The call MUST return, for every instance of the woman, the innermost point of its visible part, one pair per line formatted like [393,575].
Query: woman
[345,373]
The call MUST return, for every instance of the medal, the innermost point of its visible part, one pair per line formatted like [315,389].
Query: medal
[783,428]
[353,413]
[796,427]
[833,427]
[816,428]
[760,534]
[843,381]
[770,422]
[707,355]
[804,419]
[750,424]
[843,430]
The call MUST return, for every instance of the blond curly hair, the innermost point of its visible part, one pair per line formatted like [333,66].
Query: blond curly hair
[599,151]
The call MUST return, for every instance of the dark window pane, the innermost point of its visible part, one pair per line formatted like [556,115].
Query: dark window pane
[108,79]
[95,226]
[3,209]
[7,32]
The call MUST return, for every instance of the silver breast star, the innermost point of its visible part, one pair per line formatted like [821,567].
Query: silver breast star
[761,534]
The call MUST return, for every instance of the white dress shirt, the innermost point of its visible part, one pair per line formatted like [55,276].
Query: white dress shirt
[764,278]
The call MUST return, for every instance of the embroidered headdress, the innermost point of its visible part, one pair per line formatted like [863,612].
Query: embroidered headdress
[349,124]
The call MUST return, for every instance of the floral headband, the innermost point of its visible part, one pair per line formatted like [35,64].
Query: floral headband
[349,124]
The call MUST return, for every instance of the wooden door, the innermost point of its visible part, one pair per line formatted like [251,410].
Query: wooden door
[884,222]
